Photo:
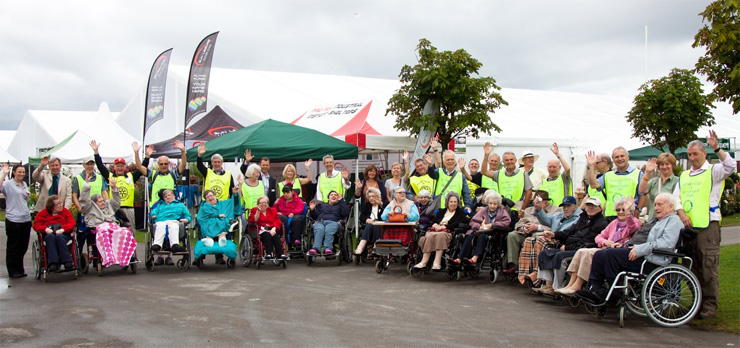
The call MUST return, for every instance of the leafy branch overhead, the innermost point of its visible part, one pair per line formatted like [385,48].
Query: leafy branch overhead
[451,80]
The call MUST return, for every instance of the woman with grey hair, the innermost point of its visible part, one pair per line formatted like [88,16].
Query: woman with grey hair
[423,199]
[370,212]
[438,237]
[485,221]
[252,188]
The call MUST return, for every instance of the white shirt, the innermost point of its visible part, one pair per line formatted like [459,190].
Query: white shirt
[720,172]
[334,173]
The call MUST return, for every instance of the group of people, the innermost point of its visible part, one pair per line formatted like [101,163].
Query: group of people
[597,229]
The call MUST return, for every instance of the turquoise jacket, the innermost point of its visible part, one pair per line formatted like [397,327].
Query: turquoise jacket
[170,211]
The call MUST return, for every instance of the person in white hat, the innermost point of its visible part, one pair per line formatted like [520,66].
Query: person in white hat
[536,175]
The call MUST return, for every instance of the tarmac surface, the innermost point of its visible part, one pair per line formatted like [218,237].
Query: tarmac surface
[318,305]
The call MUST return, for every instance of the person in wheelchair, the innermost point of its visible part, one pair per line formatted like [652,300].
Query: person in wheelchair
[582,234]
[663,234]
[270,228]
[100,215]
[484,221]
[438,236]
[168,213]
[408,213]
[327,217]
[423,200]
[617,233]
[290,209]
[371,211]
[55,222]
[214,218]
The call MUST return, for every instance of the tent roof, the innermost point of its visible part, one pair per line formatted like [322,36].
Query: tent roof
[216,123]
[281,142]
[5,157]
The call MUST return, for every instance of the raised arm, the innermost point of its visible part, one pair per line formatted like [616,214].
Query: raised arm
[591,159]
[183,157]
[136,147]
[566,166]
[307,179]
[484,170]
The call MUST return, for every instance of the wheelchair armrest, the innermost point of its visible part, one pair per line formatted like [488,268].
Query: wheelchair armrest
[667,253]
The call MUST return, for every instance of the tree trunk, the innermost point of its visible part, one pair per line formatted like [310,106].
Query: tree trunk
[444,139]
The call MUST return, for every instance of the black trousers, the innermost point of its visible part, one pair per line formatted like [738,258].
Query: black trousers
[270,242]
[607,263]
[297,225]
[18,236]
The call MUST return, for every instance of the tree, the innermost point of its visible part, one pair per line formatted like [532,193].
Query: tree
[668,111]
[721,39]
[449,79]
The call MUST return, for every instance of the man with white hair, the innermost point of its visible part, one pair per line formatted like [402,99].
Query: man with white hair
[52,183]
[698,192]
[218,180]
[448,173]
[557,184]
[513,182]
[621,182]
[331,180]
[163,177]
[494,161]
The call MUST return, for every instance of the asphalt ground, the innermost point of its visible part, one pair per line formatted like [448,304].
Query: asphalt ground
[319,305]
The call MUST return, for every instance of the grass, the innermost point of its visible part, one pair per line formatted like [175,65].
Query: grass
[728,315]
[732,220]
[2,215]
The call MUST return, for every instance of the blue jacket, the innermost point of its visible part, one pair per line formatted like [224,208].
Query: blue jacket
[555,221]
[326,211]
[170,211]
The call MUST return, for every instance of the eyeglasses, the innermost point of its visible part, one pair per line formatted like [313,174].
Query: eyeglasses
[163,164]
[401,192]
[619,210]
[58,204]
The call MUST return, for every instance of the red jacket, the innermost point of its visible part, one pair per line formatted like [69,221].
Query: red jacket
[270,219]
[286,208]
[44,219]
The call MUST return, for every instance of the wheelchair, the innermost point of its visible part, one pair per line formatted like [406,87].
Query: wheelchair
[342,244]
[447,267]
[183,263]
[493,259]
[294,250]
[251,250]
[670,296]
[40,263]
[91,257]
[233,234]
[404,249]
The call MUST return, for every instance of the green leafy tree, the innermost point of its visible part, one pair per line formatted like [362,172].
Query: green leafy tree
[668,111]
[721,39]
[450,80]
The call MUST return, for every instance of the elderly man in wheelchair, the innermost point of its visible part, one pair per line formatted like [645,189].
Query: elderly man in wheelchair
[670,292]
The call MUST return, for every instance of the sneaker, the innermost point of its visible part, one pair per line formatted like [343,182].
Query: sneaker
[159,261]
[283,257]
[168,261]
[297,242]
[68,265]
[177,248]
[328,252]
[53,267]
[268,256]
[156,248]
[313,252]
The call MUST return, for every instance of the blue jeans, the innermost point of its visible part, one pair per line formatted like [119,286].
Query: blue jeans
[324,230]
[56,248]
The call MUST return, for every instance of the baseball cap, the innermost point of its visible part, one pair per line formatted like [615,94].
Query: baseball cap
[569,200]
[119,160]
[88,159]
[594,201]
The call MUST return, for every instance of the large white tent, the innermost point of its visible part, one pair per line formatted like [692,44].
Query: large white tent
[6,157]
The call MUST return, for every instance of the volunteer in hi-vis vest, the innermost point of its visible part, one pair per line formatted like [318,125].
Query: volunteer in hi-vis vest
[622,182]
[217,179]
[163,177]
[698,191]
[96,184]
[331,180]
[251,188]
[513,183]
[477,179]
[423,178]
[125,181]
[448,172]
[557,184]
[291,177]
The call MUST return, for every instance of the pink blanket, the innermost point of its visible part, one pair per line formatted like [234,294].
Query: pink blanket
[115,244]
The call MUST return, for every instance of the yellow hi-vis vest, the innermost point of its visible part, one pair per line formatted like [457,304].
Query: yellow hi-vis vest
[250,194]
[126,188]
[454,186]
[327,184]
[96,186]
[619,186]
[219,184]
[424,182]
[488,183]
[695,191]
[161,181]
[557,189]
[511,187]
[281,185]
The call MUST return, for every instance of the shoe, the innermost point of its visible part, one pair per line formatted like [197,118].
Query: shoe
[510,270]
[159,261]
[313,252]
[420,265]
[707,314]
[18,275]
[283,257]
[470,261]
[168,261]
[53,267]
[177,248]
[547,290]
[436,267]
[532,277]
[197,262]
[358,251]
[222,242]
[220,259]
[455,261]
[268,256]
[68,265]
[596,296]
[297,242]
[565,292]
[156,248]
[328,252]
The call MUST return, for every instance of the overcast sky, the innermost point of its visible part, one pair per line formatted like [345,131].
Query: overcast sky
[72,55]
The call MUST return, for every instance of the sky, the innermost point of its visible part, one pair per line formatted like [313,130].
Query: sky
[73,55]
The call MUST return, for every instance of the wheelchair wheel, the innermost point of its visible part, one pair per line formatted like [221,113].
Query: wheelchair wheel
[589,308]
[671,295]
[36,255]
[414,272]
[183,264]
[85,263]
[134,266]
[379,266]
[622,313]
[284,264]
[474,273]
[632,300]
[601,311]
[149,259]
[493,275]
[100,268]
[573,301]
[245,250]
[230,263]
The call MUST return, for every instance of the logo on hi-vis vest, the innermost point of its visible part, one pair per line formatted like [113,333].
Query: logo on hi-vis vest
[216,190]
[687,206]
[616,196]
[123,191]
[425,188]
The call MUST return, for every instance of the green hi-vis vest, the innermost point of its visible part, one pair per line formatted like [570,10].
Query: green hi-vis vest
[96,186]
[511,187]
[695,191]
[219,184]
[619,186]
[250,194]
[424,182]
[488,183]
[327,184]
[281,185]
[471,188]
[454,186]
[126,188]
[161,181]
[557,189]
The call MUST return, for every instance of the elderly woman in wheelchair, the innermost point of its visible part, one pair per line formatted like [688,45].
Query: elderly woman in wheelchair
[168,214]
[55,224]
[496,215]
[438,236]
[214,219]
[371,211]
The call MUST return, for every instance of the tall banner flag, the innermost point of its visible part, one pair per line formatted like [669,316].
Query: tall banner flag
[154,107]
[200,71]
[425,136]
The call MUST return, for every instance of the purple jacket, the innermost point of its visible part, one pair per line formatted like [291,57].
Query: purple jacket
[502,219]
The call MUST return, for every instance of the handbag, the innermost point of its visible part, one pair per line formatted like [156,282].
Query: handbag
[397,216]
[431,210]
